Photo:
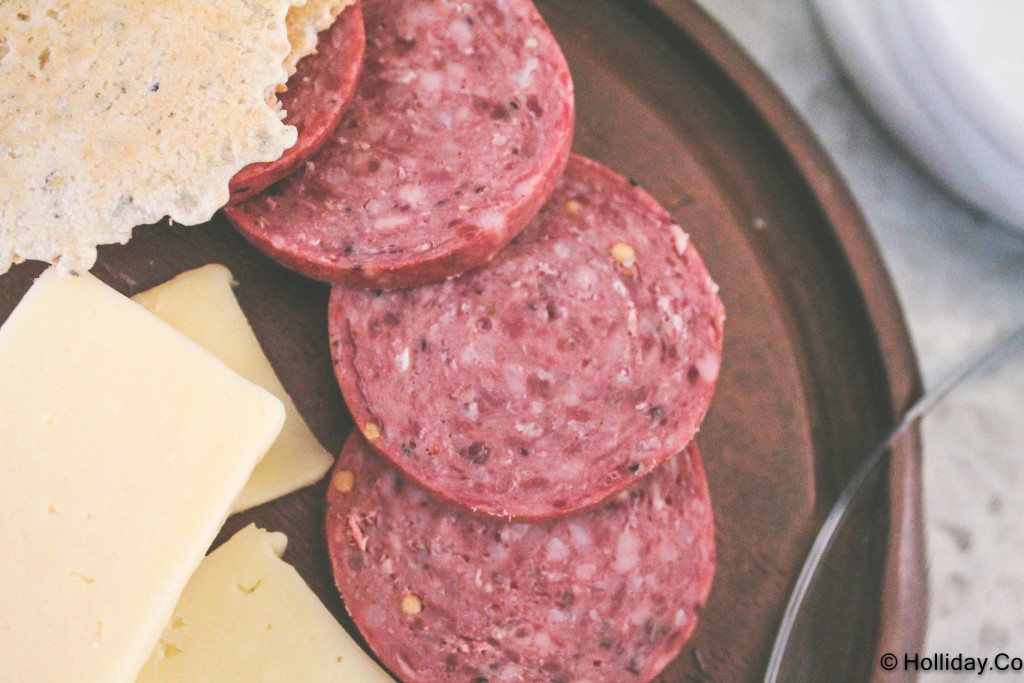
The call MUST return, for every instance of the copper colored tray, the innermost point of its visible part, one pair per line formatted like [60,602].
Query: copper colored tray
[817,358]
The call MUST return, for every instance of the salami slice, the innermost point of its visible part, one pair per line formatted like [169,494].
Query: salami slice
[609,595]
[577,360]
[317,95]
[459,130]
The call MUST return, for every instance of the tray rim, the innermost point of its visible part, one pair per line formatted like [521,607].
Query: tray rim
[902,618]
[817,170]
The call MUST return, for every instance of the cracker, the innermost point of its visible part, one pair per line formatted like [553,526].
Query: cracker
[117,113]
[305,22]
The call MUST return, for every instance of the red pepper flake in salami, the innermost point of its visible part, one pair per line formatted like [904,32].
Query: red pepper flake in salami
[577,360]
[459,130]
[317,95]
[606,596]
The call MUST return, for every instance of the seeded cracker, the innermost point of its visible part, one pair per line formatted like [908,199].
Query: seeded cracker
[117,113]
[305,22]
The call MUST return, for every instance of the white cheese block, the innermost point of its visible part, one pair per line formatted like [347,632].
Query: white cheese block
[247,616]
[122,447]
[201,305]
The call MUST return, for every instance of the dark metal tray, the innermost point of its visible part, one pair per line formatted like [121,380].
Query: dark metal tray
[817,365]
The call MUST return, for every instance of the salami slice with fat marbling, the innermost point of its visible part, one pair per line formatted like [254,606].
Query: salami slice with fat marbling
[604,596]
[317,95]
[459,129]
[550,379]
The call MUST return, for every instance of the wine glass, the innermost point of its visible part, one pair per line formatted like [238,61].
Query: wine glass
[960,588]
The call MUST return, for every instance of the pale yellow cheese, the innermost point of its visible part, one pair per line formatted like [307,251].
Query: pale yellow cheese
[247,616]
[122,447]
[201,305]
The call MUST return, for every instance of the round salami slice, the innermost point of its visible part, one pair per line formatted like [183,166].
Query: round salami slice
[578,359]
[459,130]
[316,96]
[608,595]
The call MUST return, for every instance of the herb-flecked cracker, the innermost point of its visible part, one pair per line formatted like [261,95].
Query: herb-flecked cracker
[118,113]
[305,22]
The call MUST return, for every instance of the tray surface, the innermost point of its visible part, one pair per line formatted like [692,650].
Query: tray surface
[817,359]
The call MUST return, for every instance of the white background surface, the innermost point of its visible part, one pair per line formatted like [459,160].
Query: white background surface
[960,279]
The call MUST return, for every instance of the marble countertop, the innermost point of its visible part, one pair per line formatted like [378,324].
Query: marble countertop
[960,280]
[959,275]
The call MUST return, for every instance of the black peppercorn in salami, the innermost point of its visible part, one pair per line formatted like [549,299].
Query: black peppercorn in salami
[609,595]
[460,127]
[550,379]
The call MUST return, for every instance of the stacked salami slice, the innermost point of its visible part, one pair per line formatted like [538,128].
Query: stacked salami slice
[316,96]
[528,344]
[606,595]
[459,129]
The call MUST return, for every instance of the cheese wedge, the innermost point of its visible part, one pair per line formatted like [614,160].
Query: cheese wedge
[247,616]
[201,305]
[122,447]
